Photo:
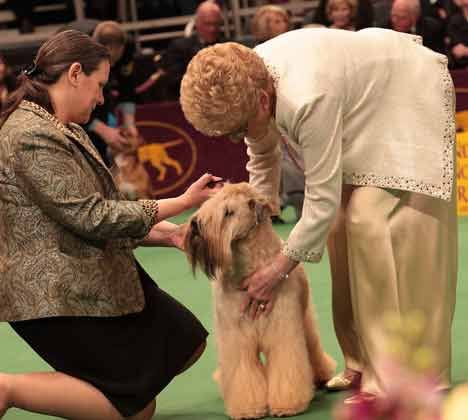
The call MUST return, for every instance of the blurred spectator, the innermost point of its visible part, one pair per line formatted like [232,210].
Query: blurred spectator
[364,15]
[381,12]
[101,10]
[86,26]
[268,22]
[342,14]
[173,62]
[23,10]
[406,17]
[437,9]
[457,33]
[27,18]
[7,81]
[167,8]
[119,92]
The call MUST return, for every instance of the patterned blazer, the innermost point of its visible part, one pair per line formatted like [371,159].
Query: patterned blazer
[66,234]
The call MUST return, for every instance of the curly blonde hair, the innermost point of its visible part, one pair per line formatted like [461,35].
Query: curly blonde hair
[261,26]
[219,91]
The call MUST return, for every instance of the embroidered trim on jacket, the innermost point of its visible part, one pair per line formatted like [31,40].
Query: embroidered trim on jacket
[301,255]
[151,208]
[49,117]
[444,189]
[274,73]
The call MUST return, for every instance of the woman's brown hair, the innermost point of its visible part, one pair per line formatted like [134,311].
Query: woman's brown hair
[53,59]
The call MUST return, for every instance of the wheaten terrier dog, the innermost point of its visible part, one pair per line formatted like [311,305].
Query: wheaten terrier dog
[230,236]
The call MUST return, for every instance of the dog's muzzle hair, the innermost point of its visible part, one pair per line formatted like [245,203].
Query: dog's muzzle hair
[197,249]
[224,220]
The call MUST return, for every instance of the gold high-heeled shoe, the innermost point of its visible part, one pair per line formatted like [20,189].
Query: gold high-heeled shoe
[349,379]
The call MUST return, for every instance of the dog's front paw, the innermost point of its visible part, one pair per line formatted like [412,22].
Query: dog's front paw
[245,413]
[289,411]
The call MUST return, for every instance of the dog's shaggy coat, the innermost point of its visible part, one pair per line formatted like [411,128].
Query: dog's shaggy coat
[230,236]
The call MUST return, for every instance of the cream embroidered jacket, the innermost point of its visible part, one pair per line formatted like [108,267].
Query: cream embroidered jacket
[66,237]
[372,107]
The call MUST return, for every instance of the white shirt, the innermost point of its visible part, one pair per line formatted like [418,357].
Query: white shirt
[372,107]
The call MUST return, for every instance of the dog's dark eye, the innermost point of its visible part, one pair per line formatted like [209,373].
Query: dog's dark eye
[228,213]
[251,204]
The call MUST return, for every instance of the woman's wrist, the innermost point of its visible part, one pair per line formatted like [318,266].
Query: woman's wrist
[185,202]
[282,265]
[280,273]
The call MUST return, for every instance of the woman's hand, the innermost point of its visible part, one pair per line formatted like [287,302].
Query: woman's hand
[115,140]
[261,286]
[165,234]
[178,236]
[132,131]
[202,189]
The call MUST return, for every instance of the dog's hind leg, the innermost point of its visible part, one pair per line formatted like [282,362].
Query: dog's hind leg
[323,365]
[241,376]
[289,374]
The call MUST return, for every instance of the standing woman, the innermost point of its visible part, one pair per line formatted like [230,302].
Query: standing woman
[69,283]
[360,124]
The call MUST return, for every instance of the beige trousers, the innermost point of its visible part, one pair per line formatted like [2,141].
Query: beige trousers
[392,252]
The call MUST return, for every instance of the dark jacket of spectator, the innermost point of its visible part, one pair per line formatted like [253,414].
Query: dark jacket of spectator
[457,33]
[174,62]
[119,91]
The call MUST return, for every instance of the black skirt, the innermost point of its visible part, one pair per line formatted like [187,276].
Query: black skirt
[131,358]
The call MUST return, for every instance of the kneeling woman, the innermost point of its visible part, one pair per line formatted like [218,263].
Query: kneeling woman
[70,285]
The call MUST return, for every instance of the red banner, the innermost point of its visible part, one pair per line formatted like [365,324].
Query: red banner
[175,154]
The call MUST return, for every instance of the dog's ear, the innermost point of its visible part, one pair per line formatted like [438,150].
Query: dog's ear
[197,249]
[263,207]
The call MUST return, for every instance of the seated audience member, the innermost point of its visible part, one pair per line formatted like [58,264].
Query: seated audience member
[27,18]
[382,10]
[168,8]
[173,62]
[342,14]
[7,81]
[23,11]
[87,26]
[457,33]
[364,15]
[406,17]
[101,10]
[269,21]
[119,92]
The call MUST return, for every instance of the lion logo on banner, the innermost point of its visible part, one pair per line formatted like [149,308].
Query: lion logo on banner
[157,155]
[168,154]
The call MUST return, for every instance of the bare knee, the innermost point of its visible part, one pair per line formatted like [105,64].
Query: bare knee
[146,414]
[5,393]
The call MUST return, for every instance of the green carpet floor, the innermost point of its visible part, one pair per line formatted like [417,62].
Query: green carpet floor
[193,395]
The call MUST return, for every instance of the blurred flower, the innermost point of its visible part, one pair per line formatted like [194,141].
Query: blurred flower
[455,407]
[411,389]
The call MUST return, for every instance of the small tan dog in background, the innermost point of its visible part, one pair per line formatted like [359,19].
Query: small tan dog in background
[129,173]
[229,237]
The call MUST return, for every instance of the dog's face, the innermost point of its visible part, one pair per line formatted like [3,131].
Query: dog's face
[231,216]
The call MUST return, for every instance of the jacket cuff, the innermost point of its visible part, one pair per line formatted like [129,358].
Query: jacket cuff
[151,208]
